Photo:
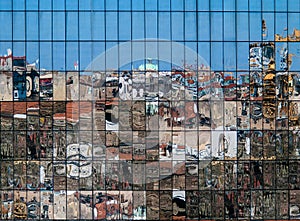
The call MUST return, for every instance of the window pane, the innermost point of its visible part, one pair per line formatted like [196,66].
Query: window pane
[230,56]
[72,57]
[111,26]
[190,26]
[268,5]
[268,33]
[59,30]
[6,5]
[125,5]
[58,5]
[138,31]
[177,26]
[18,26]
[177,5]
[217,56]
[85,5]
[45,5]
[281,24]
[164,5]
[216,5]
[111,4]
[229,26]
[216,26]
[6,20]
[203,5]
[203,26]
[71,5]
[190,5]
[59,51]
[98,5]
[85,26]
[19,4]
[242,57]
[293,5]
[242,5]
[204,50]
[255,26]
[32,52]
[255,5]
[281,5]
[137,5]
[164,27]
[45,24]
[85,55]
[229,5]
[72,26]
[151,24]
[125,26]
[46,55]
[242,27]
[98,26]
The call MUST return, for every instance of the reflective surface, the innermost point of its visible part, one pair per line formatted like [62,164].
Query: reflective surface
[149,110]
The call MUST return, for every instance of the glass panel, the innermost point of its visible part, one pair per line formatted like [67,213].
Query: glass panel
[216,5]
[6,33]
[85,26]
[138,22]
[229,26]
[58,5]
[19,5]
[255,26]
[125,5]
[98,26]
[217,56]
[111,26]
[242,5]
[177,26]
[59,51]
[111,4]
[242,27]
[164,22]
[125,26]
[255,5]
[268,5]
[19,26]
[229,5]
[293,6]
[281,5]
[45,5]
[151,24]
[71,5]
[45,61]
[31,5]
[59,30]
[190,26]
[137,5]
[45,22]
[72,56]
[177,5]
[203,5]
[229,56]
[204,26]
[190,5]
[6,5]
[72,26]
[85,5]
[216,26]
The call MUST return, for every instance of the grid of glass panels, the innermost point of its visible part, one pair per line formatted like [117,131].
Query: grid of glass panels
[149,109]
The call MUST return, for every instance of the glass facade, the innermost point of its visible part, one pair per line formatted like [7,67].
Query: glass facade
[150,109]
